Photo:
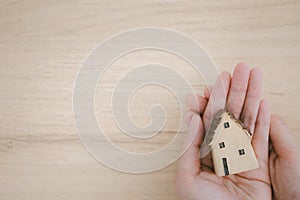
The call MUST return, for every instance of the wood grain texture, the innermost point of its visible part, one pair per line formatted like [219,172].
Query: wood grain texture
[43,44]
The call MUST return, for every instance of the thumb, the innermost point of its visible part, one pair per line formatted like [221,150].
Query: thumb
[189,163]
[281,138]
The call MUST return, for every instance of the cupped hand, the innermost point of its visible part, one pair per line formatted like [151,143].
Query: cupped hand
[240,95]
[284,161]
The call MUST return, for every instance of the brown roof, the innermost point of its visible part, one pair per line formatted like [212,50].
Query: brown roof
[240,123]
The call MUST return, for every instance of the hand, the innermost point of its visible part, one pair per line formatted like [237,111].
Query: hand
[284,162]
[195,177]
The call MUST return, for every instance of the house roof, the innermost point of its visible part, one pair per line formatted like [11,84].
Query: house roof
[211,133]
[239,122]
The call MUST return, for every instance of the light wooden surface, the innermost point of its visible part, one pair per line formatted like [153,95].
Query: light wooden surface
[43,44]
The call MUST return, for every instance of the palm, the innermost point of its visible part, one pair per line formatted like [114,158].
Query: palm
[242,98]
[231,187]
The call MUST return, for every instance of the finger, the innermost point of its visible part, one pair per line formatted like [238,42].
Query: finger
[217,100]
[189,163]
[249,114]
[281,138]
[238,89]
[207,91]
[196,103]
[188,116]
[260,140]
[207,162]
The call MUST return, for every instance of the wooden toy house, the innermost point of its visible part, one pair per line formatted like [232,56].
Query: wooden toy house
[231,147]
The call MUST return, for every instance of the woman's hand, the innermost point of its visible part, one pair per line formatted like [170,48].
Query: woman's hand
[240,95]
[284,161]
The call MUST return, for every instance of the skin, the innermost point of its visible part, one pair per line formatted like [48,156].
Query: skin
[284,161]
[240,95]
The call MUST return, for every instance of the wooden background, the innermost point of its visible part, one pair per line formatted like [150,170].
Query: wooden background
[43,44]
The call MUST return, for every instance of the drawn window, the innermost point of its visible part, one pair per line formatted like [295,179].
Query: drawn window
[242,152]
[226,125]
[222,145]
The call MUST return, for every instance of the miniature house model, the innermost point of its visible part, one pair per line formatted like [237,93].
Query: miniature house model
[231,146]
